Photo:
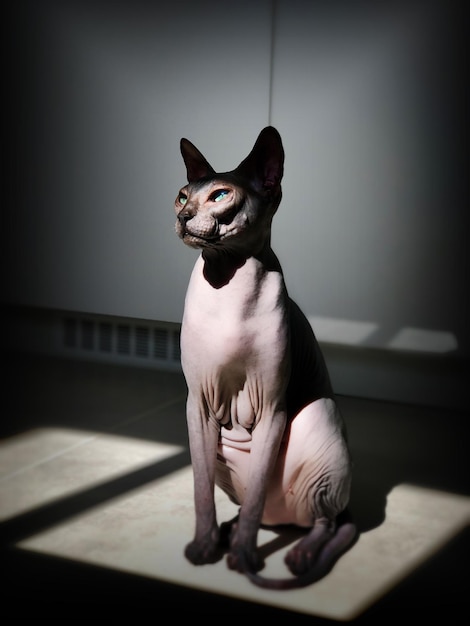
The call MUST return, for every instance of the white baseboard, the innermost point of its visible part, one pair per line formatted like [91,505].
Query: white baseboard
[438,380]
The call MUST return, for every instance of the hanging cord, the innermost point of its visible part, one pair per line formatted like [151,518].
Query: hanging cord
[271,57]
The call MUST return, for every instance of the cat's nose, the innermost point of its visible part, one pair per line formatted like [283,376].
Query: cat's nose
[184,217]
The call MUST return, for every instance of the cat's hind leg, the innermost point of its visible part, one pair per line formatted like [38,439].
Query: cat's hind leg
[318,470]
[318,551]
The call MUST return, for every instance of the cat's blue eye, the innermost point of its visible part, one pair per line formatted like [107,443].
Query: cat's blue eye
[217,196]
[182,199]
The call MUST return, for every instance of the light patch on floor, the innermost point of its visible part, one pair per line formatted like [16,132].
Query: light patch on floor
[44,465]
[144,530]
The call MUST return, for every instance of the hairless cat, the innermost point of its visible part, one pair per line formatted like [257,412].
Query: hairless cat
[262,419]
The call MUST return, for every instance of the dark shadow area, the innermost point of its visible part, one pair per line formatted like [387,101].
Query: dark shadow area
[45,586]
[43,391]
[54,583]
[400,376]
[393,444]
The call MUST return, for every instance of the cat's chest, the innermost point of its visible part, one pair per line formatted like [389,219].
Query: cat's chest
[234,322]
[236,334]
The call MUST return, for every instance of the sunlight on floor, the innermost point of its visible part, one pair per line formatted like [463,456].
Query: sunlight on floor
[45,464]
[143,529]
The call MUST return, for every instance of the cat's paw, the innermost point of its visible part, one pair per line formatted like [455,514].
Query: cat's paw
[202,551]
[242,560]
[320,548]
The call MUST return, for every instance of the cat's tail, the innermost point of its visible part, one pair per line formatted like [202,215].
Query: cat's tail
[344,538]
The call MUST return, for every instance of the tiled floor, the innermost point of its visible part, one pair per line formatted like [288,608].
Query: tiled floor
[96,505]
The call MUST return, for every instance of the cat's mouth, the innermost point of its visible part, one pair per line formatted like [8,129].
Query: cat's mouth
[202,235]
[197,240]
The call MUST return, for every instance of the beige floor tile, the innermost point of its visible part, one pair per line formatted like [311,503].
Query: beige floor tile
[60,463]
[145,531]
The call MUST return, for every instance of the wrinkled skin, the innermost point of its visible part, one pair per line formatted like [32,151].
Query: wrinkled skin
[262,420]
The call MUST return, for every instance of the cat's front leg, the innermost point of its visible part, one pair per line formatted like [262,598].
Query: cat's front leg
[266,439]
[243,555]
[203,440]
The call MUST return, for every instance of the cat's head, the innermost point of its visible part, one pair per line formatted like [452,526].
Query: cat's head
[231,210]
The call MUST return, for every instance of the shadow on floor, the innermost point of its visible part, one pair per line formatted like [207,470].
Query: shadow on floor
[391,444]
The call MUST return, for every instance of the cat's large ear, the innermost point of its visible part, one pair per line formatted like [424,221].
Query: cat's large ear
[196,165]
[264,166]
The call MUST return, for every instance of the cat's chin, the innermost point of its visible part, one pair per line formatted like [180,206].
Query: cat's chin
[198,242]
[216,242]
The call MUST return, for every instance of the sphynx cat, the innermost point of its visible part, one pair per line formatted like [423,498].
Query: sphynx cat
[262,420]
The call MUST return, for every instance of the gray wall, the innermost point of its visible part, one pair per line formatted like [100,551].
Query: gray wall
[106,90]
[371,231]
[374,229]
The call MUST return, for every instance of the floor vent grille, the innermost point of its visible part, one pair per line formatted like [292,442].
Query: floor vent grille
[145,343]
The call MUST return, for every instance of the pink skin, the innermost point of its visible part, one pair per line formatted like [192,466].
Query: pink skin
[262,420]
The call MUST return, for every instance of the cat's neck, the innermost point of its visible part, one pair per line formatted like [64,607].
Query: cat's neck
[220,266]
